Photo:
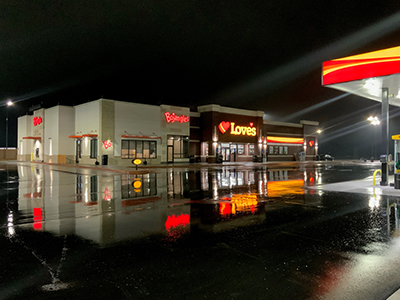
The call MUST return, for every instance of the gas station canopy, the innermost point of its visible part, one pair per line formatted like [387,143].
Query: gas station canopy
[366,74]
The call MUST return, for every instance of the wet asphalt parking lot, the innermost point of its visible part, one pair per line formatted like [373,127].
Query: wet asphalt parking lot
[251,231]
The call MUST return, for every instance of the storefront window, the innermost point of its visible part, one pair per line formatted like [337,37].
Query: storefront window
[180,145]
[138,149]
[280,150]
[93,148]
[153,150]
[251,149]
[285,150]
[240,149]
[271,149]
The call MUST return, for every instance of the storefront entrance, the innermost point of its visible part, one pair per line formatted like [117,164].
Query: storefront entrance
[78,151]
[170,154]
[228,152]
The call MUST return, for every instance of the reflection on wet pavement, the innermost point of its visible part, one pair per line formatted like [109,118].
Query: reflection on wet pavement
[304,243]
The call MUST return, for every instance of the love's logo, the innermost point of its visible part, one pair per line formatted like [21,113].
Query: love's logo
[311,143]
[237,130]
[224,126]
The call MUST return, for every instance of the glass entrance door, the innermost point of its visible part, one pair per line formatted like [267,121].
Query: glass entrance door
[233,152]
[78,151]
[170,154]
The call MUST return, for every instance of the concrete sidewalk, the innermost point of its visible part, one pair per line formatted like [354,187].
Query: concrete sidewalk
[364,186]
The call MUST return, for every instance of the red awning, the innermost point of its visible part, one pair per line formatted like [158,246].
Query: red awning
[75,137]
[89,135]
[32,138]
[139,136]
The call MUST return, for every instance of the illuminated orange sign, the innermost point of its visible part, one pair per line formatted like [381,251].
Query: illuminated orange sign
[284,140]
[137,161]
[237,130]
[311,143]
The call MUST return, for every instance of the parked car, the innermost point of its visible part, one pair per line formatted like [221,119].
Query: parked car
[325,157]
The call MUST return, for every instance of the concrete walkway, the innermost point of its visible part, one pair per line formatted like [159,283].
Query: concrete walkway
[364,186]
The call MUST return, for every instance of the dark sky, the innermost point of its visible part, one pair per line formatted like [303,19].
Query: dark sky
[264,55]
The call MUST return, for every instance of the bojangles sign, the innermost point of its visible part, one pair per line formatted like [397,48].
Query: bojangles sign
[171,118]
[236,129]
[37,121]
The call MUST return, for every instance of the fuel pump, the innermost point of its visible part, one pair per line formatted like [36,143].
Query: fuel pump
[396,141]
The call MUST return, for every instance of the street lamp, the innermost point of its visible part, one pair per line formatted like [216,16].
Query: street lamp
[9,103]
[374,121]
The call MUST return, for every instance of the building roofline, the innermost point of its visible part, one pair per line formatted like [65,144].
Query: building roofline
[279,123]
[229,110]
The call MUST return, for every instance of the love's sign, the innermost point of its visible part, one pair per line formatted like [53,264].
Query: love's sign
[237,130]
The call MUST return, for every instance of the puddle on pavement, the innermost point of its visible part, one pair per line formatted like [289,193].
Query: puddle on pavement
[110,209]
[113,208]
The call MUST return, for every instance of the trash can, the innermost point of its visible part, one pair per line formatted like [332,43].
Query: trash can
[397,181]
[104,160]
[191,159]
[254,158]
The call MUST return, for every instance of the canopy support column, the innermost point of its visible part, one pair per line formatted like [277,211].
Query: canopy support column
[385,136]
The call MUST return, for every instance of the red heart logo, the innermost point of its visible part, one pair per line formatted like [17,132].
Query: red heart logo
[224,126]
[311,143]
[251,124]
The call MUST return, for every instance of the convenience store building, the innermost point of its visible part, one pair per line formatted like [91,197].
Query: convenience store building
[116,132]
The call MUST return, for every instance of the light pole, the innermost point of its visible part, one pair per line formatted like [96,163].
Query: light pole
[9,103]
[374,121]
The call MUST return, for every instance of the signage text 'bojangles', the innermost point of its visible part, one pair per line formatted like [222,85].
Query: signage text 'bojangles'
[171,118]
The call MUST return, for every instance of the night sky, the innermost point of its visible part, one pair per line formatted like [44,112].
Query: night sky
[264,55]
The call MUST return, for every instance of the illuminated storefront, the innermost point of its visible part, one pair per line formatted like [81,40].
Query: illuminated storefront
[105,132]
[234,135]
[116,133]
